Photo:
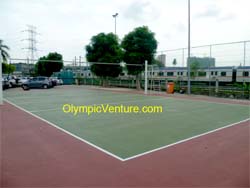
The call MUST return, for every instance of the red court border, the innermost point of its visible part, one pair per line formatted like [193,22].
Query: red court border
[36,154]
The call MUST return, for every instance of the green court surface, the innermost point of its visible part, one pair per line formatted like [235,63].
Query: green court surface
[127,135]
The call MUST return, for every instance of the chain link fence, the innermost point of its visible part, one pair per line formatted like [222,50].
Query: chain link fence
[224,71]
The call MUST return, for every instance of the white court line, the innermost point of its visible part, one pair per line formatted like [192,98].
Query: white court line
[120,102]
[135,156]
[67,132]
[204,100]
[34,102]
[185,140]
[44,110]
[124,102]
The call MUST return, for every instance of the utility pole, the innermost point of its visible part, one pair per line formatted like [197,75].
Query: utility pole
[32,49]
[80,61]
[188,60]
[114,16]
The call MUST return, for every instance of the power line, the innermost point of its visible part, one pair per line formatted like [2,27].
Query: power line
[207,45]
[73,62]
[32,48]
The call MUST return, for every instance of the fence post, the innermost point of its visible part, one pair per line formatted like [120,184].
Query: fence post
[183,57]
[216,86]
[209,71]
[146,78]
[244,64]
[1,87]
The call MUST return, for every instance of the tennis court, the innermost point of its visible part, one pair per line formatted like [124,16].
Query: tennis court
[127,136]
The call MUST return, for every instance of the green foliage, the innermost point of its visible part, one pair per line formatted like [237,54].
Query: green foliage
[104,48]
[174,62]
[202,73]
[46,65]
[194,67]
[8,68]
[158,63]
[139,45]
[4,51]
[243,86]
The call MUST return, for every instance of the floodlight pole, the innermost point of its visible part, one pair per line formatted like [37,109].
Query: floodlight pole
[114,16]
[1,85]
[188,60]
[146,78]
[244,64]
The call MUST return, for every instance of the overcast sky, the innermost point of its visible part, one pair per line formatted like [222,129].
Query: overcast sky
[66,26]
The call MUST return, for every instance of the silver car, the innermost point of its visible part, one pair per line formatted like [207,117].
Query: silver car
[5,83]
[37,82]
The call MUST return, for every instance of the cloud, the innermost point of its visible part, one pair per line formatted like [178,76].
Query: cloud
[180,27]
[211,11]
[227,17]
[141,11]
[215,12]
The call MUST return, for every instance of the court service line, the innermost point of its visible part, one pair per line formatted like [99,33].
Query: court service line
[206,101]
[185,140]
[32,102]
[67,132]
[118,102]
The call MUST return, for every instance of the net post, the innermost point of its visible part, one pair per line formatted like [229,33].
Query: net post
[146,78]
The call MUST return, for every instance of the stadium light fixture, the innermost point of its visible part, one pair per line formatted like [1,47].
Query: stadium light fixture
[114,16]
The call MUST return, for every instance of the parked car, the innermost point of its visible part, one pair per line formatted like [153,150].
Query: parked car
[56,81]
[22,80]
[53,80]
[37,82]
[60,81]
[5,83]
[13,80]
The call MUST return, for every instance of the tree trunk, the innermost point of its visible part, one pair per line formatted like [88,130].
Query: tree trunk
[138,84]
[104,82]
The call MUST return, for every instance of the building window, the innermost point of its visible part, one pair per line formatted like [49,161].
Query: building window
[170,73]
[223,73]
[215,73]
[245,73]
[212,73]
[202,74]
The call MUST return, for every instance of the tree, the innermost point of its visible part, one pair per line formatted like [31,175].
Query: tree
[106,51]
[139,45]
[4,51]
[46,65]
[158,63]
[174,62]
[8,68]
[194,67]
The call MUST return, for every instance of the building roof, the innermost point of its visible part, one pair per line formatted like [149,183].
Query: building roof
[211,68]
